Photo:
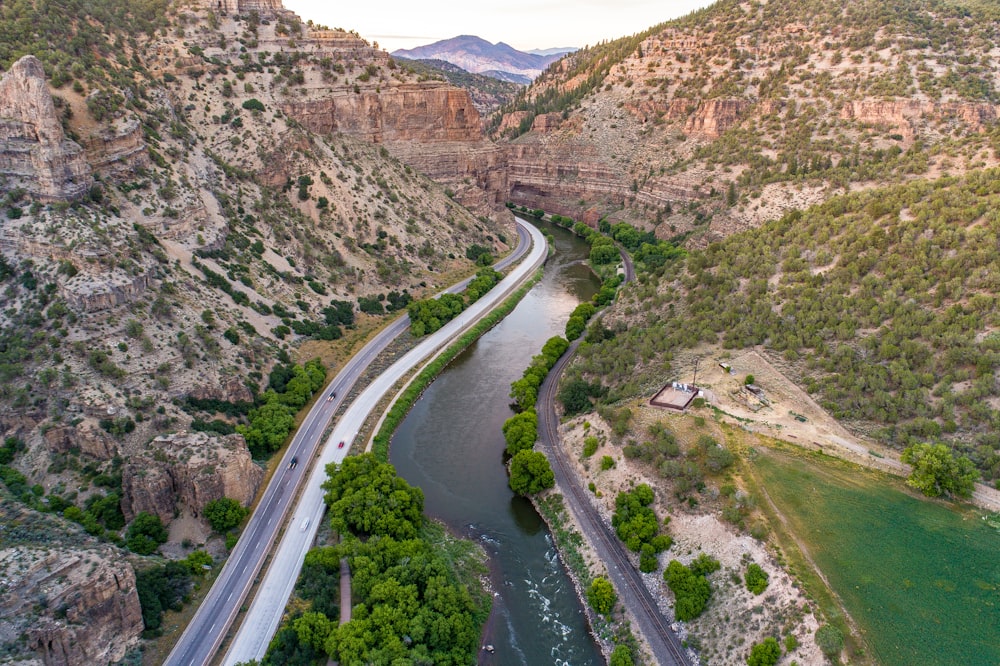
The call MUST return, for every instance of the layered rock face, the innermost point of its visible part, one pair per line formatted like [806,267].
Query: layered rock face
[188,470]
[91,612]
[263,7]
[903,116]
[118,150]
[432,127]
[34,152]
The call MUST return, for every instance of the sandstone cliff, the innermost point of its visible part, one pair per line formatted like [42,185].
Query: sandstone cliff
[34,152]
[68,600]
[430,126]
[186,471]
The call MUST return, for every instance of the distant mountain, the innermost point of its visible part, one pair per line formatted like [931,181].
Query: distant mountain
[559,50]
[474,54]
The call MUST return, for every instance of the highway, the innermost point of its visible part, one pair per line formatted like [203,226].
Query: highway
[205,632]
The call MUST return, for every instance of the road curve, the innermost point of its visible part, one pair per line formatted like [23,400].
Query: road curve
[204,634]
[264,614]
[634,594]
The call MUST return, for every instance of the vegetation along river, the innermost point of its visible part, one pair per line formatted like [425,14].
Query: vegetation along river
[451,446]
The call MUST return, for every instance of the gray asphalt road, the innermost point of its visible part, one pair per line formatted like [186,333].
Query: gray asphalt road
[204,634]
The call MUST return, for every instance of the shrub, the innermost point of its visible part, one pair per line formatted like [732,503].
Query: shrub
[691,591]
[224,513]
[756,578]
[607,462]
[765,653]
[830,640]
[601,596]
[145,534]
[590,445]
[253,104]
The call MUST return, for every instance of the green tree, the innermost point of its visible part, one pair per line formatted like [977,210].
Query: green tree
[145,534]
[520,431]
[937,472]
[601,596]
[224,514]
[765,653]
[530,473]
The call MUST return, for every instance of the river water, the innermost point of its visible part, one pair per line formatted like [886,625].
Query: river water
[451,446]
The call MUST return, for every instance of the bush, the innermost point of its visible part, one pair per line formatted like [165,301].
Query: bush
[601,596]
[607,462]
[253,104]
[765,653]
[691,591]
[224,514]
[756,578]
[145,534]
[830,640]
[621,656]
[590,445]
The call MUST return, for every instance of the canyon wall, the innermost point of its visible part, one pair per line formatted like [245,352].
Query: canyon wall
[34,152]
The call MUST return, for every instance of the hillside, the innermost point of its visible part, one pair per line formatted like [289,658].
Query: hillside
[474,54]
[726,118]
[190,198]
[882,305]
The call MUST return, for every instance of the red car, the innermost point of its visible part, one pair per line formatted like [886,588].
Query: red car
[341,445]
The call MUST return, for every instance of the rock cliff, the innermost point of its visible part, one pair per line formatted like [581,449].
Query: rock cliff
[70,607]
[116,151]
[186,471]
[904,115]
[432,127]
[34,152]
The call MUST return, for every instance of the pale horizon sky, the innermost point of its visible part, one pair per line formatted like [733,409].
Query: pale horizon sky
[543,24]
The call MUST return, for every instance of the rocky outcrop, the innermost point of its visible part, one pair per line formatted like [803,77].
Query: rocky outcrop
[34,152]
[86,436]
[186,471]
[231,389]
[102,292]
[262,7]
[119,150]
[73,607]
[715,116]
[904,115]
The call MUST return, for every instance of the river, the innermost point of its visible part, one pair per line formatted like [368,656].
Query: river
[451,446]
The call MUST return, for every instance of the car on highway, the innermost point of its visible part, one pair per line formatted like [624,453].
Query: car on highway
[333,394]
[341,445]
[293,462]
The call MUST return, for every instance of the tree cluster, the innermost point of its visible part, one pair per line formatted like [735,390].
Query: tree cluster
[270,424]
[690,586]
[429,314]
[408,604]
[638,527]
[524,391]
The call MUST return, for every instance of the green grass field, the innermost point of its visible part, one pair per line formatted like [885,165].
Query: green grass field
[921,579]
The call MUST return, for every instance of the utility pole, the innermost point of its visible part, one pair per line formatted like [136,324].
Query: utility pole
[694,381]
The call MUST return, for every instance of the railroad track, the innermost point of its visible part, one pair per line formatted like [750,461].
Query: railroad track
[635,595]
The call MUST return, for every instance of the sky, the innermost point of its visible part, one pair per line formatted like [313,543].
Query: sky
[525,25]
